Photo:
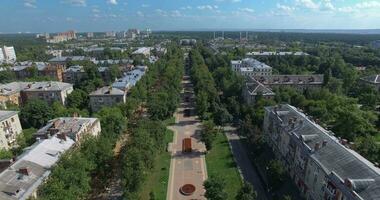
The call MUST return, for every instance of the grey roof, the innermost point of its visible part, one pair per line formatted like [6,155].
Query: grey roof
[75,68]
[253,63]
[107,91]
[5,114]
[372,79]
[333,157]
[130,78]
[256,87]
[290,79]
[275,53]
[47,86]
[12,88]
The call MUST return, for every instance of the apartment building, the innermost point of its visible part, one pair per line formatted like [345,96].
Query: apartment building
[7,55]
[250,67]
[299,82]
[373,80]
[277,53]
[22,178]
[321,165]
[253,88]
[26,70]
[106,96]
[62,37]
[130,78]
[64,60]
[145,51]
[49,91]
[75,74]
[10,128]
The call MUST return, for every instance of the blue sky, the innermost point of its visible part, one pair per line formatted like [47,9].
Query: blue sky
[103,15]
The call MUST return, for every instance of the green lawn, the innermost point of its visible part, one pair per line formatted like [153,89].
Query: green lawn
[157,179]
[221,163]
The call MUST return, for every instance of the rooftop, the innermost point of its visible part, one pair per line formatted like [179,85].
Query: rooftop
[107,91]
[130,78]
[4,114]
[290,79]
[372,79]
[334,156]
[273,53]
[15,87]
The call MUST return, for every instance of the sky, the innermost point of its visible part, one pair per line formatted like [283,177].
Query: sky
[107,15]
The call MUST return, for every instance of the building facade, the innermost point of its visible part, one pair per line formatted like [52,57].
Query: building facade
[7,55]
[299,82]
[106,96]
[252,89]
[20,92]
[250,67]
[53,71]
[10,128]
[22,178]
[373,80]
[321,165]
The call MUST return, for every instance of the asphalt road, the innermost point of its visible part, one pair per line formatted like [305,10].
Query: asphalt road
[244,165]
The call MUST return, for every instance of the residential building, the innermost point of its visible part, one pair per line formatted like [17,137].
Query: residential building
[373,80]
[250,67]
[7,55]
[90,35]
[64,60]
[130,78]
[299,82]
[110,34]
[62,37]
[76,73]
[10,128]
[188,42]
[22,178]
[252,89]
[145,51]
[321,165]
[25,70]
[375,44]
[106,96]
[276,53]
[20,92]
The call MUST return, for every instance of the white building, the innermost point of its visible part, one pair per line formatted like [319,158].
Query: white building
[20,181]
[7,54]
[10,128]
[250,67]
[321,165]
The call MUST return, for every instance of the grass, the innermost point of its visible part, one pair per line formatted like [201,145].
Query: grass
[377,137]
[169,121]
[158,178]
[220,162]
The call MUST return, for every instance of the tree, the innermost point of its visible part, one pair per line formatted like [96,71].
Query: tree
[4,154]
[215,188]
[368,148]
[208,134]
[35,113]
[246,192]
[276,173]
[78,99]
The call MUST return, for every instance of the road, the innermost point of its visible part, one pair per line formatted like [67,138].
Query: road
[244,165]
[186,168]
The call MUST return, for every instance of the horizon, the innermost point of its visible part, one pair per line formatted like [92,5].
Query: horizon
[97,15]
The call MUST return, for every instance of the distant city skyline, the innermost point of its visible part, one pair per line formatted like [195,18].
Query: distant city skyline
[106,15]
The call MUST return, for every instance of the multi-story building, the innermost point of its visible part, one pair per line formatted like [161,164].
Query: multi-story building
[20,92]
[64,60]
[251,67]
[22,178]
[10,128]
[110,34]
[373,80]
[299,82]
[276,53]
[106,96]
[145,51]
[130,78]
[375,44]
[253,88]
[74,74]
[321,165]
[7,55]
[25,70]
[62,37]
[90,35]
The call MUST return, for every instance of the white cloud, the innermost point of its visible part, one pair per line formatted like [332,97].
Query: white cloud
[248,10]
[140,14]
[95,10]
[76,2]
[176,13]
[368,4]
[161,12]
[145,5]
[308,4]
[285,8]
[186,8]
[30,3]
[207,7]
[69,19]
[113,2]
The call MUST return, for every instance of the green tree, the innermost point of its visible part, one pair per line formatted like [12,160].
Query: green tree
[246,192]
[35,113]
[208,134]
[214,187]
[78,99]
[276,173]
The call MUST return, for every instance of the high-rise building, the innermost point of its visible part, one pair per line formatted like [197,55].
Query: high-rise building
[7,54]
[90,35]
